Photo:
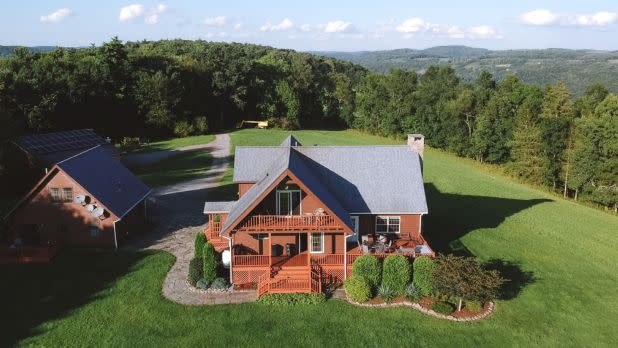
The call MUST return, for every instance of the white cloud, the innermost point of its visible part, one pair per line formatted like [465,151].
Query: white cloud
[546,17]
[136,11]
[285,24]
[56,16]
[218,21]
[539,17]
[418,25]
[412,25]
[598,19]
[153,16]
[220,35]
[131,12]
[238,26]
[337,26]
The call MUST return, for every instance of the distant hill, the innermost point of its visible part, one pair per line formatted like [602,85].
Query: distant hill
[8,50]
[578,68]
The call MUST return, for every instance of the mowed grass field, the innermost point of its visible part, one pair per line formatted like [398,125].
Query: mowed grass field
[560,256]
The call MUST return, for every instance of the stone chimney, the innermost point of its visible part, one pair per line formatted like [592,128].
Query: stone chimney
[416,142]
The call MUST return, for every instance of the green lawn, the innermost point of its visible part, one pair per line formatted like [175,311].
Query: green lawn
[181,167]
[176,143]
[560,256]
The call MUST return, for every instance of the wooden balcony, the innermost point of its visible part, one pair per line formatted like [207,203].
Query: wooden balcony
[286,223]
[303,282]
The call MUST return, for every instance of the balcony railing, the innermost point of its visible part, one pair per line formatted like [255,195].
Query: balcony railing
[262,223]
[250,261]
[213,229]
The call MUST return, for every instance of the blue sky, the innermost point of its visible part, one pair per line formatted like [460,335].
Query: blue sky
[318,25]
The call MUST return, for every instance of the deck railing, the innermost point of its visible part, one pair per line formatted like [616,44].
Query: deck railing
[213,229]
[310,282]
[262,223]
[250,260]
[327,259]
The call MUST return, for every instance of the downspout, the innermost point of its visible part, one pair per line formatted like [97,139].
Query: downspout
[115,238]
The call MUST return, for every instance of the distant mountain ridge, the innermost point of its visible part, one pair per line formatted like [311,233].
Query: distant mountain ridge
[578,68]
[6,51]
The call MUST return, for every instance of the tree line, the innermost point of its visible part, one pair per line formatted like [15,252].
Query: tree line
[178,87]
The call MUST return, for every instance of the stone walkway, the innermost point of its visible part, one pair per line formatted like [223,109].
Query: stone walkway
[177,212]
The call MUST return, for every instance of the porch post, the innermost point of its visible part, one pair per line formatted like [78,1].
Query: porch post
[308,251]
[345,257]
[270,250]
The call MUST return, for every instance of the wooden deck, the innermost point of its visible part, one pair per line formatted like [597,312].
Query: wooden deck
[286,223]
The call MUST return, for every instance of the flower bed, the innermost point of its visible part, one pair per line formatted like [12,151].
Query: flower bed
[424,306]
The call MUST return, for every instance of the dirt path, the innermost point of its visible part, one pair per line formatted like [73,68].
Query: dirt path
[177,214]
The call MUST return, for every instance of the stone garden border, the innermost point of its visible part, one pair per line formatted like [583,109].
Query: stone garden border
[482,315]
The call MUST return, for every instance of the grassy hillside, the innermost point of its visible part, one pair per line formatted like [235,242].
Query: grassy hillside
[579,68]
[559,256]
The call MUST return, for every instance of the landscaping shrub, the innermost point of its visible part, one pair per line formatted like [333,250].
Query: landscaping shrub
[422,274]
[200,240]
[465,279]
[200,124]
[202,284]
[368,267]
[291,299]
[183,129]
[387,294]
[474,306]
[443,307]
[396,273]
[219,283]
[413,292]
[211,262]
[357,288]
[130,144]
[216,218]
[196,269]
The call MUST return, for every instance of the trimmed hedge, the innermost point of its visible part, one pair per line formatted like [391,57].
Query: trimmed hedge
[357,288]
[196,269]
[422,274]
[396,273]
[291,299]
[200,240]
[443,307]
[370,268]
[211,262]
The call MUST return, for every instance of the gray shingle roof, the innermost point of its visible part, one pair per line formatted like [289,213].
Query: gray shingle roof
[218,207]
[295,162]
[364,179]
[290,141]
[106,179]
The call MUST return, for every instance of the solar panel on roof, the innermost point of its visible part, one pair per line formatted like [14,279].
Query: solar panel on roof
[61,141]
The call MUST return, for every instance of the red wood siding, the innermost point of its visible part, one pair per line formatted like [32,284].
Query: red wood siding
[38,209]
[410,223]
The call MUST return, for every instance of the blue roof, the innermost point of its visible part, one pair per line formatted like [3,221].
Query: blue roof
[107,179]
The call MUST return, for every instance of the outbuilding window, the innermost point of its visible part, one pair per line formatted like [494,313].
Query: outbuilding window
[67,194]
[388,224]
[54,193]
[94,230]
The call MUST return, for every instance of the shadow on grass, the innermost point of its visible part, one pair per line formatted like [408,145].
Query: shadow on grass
[32,294]
[452,216]
[516,278]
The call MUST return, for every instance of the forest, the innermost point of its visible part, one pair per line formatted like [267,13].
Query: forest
[577,68]
[151,90]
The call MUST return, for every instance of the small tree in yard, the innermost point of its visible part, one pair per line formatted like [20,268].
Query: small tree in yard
[211,262]
[200,240]
[465,278]
[370,268]
[422,274]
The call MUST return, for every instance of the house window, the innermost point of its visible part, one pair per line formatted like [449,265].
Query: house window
[94,230]
[388,224]
[54,193]
[67,194]
[317,243]
[288,202]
